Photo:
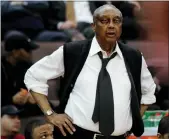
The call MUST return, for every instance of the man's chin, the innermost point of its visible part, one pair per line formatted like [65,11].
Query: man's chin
[111,40]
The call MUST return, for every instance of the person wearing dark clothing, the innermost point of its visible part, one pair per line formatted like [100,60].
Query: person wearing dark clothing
[105,83]
[25,16]
[12,79]
[14,64]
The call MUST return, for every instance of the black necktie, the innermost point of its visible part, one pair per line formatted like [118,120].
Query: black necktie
[104,103]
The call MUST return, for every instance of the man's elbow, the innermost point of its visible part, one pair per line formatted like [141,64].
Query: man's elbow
[27,78]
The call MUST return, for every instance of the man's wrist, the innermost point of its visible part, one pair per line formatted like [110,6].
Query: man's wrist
[49,112]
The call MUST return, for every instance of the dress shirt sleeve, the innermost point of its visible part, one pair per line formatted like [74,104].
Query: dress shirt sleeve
[147,85]
[47,68]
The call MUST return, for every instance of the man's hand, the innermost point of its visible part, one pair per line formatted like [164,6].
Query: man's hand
[21,97]
[62,121]
[68,25]
[59,120]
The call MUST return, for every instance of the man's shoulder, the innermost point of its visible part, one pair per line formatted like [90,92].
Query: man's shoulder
[74,43]
[128,48]
[77,45]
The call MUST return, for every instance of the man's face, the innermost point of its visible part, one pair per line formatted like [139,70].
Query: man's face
[23,55]
[10,123]
[43,132]
[108,25]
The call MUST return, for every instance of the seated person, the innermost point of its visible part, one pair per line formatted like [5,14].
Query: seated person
[25,16]
[76,24]
[13,67]
[10,123]
[14,64]
[39,129]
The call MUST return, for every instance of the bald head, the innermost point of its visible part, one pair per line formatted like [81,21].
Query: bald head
[103,8]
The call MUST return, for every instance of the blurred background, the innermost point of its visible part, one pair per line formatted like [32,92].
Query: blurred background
[50,24]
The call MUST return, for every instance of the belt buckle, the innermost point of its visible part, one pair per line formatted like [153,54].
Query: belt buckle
[95,135]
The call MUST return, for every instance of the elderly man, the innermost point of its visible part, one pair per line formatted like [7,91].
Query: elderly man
[106,85]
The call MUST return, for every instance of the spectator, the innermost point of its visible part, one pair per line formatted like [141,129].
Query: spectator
[13,67]
[39,129]
[10,123]
[72,21]
[25,16]
[163,128]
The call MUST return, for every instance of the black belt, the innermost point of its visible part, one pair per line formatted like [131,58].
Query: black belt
[95,135]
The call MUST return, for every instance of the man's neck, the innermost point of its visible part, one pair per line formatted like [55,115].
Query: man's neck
[108,48]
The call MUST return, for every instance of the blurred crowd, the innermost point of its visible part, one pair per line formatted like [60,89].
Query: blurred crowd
[25,22]
[61,20]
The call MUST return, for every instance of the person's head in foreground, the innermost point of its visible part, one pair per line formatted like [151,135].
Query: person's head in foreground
[163,128]
[107,24]
[10,122]
[39,129]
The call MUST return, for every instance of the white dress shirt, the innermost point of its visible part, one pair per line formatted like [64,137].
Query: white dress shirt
[81,102]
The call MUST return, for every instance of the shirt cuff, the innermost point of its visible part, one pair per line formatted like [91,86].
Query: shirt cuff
[39,90]
[148,99]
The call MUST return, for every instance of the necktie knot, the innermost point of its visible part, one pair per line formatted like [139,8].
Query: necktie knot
[106,60]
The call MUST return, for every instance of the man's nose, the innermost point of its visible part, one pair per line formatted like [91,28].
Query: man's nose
[111,24]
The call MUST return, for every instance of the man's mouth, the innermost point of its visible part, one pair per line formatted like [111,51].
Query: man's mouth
[111,34]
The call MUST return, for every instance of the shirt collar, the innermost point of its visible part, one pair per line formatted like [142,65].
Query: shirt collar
[95,48]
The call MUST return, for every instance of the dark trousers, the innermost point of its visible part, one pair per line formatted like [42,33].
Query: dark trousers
[82,134]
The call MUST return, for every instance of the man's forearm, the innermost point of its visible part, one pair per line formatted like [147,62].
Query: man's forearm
[42,101]
[143,109]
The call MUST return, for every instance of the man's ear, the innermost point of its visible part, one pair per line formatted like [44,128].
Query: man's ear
[93,26]
[159,136]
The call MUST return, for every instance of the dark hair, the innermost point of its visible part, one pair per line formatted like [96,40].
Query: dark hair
[31,126]
[163,127]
